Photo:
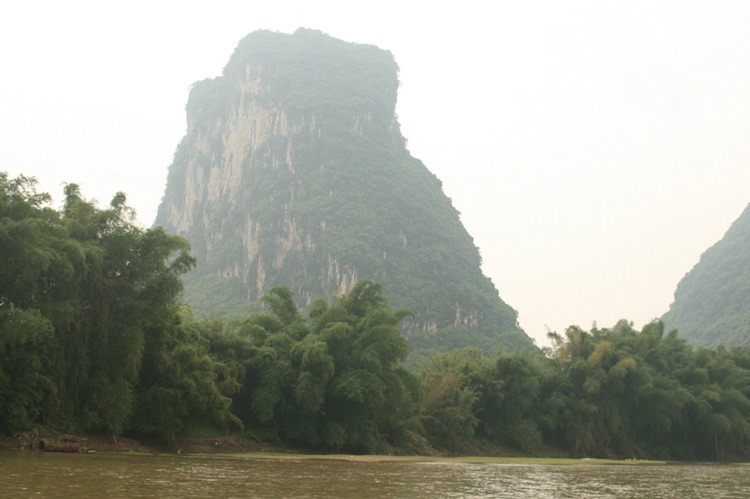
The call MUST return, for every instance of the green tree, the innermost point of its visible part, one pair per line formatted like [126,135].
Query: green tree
[335,381]
[127,292]
[39,272]
[80,290]
[509,403]
[183,386]
[25,384]
[452,396]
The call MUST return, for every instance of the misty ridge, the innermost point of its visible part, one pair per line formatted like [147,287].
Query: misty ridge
[308,282]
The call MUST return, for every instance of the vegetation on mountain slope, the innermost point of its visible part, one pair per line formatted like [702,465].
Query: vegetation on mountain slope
[712,303]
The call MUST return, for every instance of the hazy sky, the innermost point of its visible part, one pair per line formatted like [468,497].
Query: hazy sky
[594,148]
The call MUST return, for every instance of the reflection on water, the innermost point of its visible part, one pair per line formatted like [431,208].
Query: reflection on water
[58,475]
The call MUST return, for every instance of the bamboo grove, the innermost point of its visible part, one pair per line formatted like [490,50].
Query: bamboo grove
[93,338]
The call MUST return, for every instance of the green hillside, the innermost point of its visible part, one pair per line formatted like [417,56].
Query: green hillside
[712,302]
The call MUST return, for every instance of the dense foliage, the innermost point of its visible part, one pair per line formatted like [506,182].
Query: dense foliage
[712,302]
[335,381]
[603,393]
[328,195]
[88,315]
[93,338]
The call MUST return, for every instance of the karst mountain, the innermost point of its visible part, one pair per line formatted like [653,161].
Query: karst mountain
[712,303]
[293,171]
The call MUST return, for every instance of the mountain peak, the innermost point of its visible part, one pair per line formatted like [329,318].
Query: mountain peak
[293,170]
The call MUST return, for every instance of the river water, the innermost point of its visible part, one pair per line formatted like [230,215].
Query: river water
[39,474]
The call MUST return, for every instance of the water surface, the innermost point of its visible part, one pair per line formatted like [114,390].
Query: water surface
[101,475]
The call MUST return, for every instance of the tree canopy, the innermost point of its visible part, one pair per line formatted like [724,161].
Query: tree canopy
[85,296]
[94,338]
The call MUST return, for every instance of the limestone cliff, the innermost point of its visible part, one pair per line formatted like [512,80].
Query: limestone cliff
[293,170]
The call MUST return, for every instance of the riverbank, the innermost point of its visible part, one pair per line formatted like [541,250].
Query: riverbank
[237,447]
[228,444]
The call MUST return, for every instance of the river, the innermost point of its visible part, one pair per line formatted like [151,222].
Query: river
[42,474]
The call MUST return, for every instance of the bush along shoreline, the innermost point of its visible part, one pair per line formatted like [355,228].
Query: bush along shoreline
[94,340]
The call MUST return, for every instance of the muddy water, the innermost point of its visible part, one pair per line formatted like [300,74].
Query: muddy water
[26,474]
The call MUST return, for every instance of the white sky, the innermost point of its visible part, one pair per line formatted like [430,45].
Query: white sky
[594,148]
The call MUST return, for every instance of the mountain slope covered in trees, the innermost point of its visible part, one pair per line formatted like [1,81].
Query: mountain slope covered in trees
[293,171]
[712,302]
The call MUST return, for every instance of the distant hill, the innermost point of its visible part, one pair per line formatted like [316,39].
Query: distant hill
[294,171]
[712,302]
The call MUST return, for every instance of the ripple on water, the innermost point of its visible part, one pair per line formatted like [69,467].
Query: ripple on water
[63,475]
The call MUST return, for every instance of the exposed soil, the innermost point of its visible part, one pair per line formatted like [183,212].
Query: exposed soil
[229,444]
[108,443]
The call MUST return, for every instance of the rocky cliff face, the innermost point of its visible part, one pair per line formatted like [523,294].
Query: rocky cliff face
[294,171]
[712,302]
